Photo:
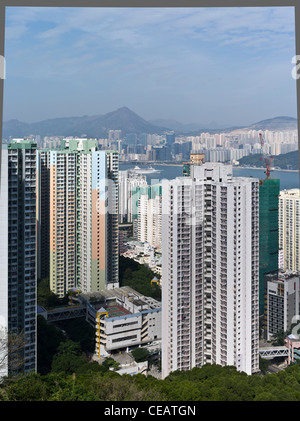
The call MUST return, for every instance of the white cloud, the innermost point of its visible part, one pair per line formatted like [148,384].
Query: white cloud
[137,26]
[192,50]
[15,32]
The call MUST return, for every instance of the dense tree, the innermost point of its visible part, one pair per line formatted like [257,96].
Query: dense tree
[67,374]
[263,365]
[79,381]
[12,347]
[140,354]
[138,277]
[110,363]
[46,298]
[288,160]
[79,330]
[48,340]
[71,360]
[278,338]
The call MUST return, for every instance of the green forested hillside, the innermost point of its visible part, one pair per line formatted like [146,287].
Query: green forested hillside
[66,373]
[138,277]
[287,161]
[209,383]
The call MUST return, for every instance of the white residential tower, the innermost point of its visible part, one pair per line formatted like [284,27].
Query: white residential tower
[210,250]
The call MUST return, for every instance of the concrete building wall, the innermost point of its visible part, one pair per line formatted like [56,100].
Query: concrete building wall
[4,257]
[21,246]
[210,270]
[83,218]
[289,228]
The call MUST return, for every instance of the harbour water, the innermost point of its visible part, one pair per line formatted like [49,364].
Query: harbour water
[288,179]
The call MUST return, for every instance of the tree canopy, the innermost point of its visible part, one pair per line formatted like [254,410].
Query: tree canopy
[83,382]
[138,277]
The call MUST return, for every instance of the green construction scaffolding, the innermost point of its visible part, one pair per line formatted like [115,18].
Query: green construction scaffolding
[269,190]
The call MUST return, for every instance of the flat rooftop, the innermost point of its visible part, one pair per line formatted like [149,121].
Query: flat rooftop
[109,293]
[110,301]
[115,310]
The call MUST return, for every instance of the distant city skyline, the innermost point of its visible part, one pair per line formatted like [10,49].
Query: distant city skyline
[200,65]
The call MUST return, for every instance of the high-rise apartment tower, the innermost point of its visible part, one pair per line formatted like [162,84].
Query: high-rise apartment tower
[18,250]
[210,250]
[83,216]
[289,228]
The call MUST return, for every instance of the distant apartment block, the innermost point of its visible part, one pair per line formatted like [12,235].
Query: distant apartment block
[195,159]
[82,216]
[125,232]
[149,216]
[18,249]
[43,214]
[114,134]
[129,182]
[289,228]
[145,254]
[210,261]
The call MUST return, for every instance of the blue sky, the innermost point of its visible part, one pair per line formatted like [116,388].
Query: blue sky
[228,65]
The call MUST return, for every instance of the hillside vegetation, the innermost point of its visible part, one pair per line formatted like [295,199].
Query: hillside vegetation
[71,381]
[138,277]
[287,161]
[67,373]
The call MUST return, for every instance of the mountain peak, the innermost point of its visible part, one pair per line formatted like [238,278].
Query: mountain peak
[127,121]
[122,119]
[124,111]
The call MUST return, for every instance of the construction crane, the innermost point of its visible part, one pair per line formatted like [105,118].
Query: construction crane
[267,158]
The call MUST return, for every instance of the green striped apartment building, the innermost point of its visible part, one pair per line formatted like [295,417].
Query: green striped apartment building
[77,216]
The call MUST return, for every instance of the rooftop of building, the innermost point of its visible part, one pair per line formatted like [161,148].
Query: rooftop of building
[290,193]
[106,301]
[282,275]
[287,274]
[77,145]
[115,310]
[21,144]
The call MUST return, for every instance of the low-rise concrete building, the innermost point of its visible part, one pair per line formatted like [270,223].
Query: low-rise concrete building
[123,319]
[292,342]
[281,302]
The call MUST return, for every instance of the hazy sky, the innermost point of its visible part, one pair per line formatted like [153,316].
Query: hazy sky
[228,65]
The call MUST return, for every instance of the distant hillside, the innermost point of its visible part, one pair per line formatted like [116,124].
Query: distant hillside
[287,161]
[277,123]
[181,128]
[124,119]
[273,124]
[92,126]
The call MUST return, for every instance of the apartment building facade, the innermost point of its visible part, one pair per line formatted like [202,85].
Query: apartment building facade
[18,251]
[83,216]
[149,216]
[289,228]
[129,182]
[281,302]
[4,260]
[210,264]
